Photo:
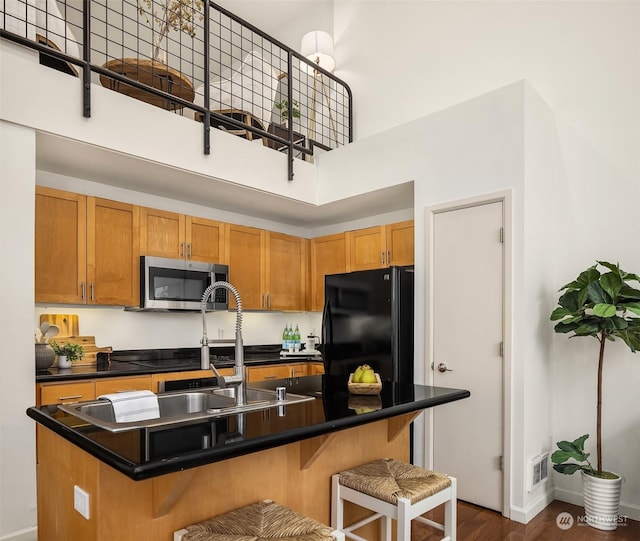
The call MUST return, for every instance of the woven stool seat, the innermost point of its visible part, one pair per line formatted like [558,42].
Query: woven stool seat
[263,521]
[388,480]
[393,490]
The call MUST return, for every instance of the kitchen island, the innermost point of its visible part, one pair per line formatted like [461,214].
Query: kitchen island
[145,484]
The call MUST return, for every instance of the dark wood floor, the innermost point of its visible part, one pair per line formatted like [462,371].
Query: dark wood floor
[479,524]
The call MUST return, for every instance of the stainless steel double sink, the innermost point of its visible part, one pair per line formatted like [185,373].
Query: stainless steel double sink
[182,406]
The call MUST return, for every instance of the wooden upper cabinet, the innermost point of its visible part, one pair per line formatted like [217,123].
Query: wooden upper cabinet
[329,255]
[113,252]
[205,240]
[400,243]
[162,233]
[243,254]
[176,236]
[285,284]
[381,246]
[86,249]
[60,246]
[368,248]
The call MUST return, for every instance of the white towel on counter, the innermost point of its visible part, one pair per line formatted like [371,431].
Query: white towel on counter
[131,406]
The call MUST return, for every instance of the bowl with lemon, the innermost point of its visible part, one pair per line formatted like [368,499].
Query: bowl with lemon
[364,381]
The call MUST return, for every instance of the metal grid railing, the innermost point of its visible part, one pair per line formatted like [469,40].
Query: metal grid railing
[193,58]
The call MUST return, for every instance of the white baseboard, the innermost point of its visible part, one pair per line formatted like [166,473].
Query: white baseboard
[30,534]
[575,498]
[524,515]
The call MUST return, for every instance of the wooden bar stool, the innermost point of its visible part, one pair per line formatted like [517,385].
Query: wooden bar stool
[262,520]
[393,490]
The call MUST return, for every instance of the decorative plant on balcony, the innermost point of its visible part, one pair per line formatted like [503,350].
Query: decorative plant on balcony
[165,15]
[283,107]
[605,307]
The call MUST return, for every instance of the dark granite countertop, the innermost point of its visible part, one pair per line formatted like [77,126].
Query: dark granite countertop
[153,361]
[154,452]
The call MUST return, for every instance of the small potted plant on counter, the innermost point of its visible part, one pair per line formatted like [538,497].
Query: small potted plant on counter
[605,307]
[67,353]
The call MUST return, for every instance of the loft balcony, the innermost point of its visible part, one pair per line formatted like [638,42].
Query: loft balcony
[193,59]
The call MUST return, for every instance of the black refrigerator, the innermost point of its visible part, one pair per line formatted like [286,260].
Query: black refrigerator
[368,319]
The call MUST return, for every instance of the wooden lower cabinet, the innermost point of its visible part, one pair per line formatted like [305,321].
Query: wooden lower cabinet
[263,373]
[121,385]
[65,393]
[297,475]
[316,369]
[276,371]
[81,391]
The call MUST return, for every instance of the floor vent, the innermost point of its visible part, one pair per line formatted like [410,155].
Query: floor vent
[538,471]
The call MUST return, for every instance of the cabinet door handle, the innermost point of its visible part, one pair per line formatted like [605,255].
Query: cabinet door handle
[182,250]
[70,397]
[388,257]
[93,291]
[263,304]
[382,258]
[190,251]
[82,289]
[269,301]
[270,377]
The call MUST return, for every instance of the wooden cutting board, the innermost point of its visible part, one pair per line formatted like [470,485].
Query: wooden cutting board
[89,345]
[68,324]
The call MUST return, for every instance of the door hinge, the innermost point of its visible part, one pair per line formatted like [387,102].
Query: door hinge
[502,234]
[501,349]
[501,463]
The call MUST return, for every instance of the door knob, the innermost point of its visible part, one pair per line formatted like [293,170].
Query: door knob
[443,368]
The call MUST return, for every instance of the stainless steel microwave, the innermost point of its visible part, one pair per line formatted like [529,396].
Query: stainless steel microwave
[178,284]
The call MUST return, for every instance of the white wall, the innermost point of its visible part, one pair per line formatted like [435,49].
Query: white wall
[285,20]
[427,56]
[17,431]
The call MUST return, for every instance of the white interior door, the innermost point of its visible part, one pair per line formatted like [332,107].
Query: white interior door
[468,277]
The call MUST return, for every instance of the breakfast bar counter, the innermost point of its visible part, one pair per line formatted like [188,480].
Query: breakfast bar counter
[146,483]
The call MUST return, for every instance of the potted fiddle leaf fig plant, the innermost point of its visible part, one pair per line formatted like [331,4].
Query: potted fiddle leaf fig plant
[605,306]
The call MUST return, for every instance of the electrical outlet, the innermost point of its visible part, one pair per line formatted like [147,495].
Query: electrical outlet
[81,501]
